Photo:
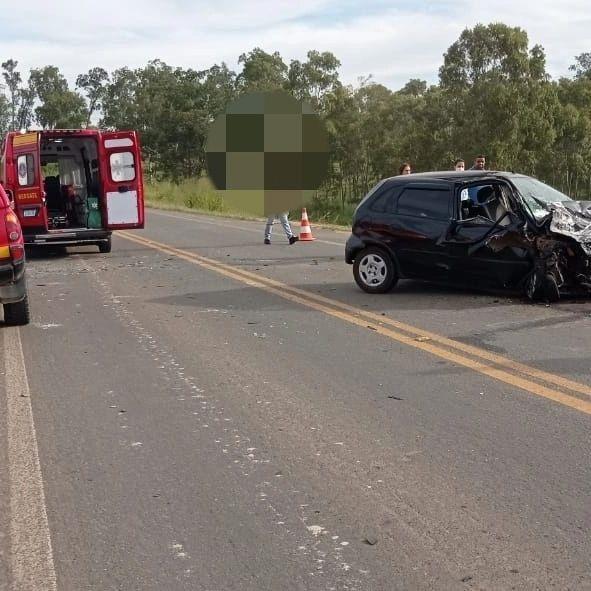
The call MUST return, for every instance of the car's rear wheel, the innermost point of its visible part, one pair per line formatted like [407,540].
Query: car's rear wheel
[374,270]
[17,314]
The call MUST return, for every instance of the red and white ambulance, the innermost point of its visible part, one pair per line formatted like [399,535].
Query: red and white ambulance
[73,187]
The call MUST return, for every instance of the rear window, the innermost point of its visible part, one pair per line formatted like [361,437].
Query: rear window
[425,203]
[371,192]
[25,165]
[122,166]
[384,202]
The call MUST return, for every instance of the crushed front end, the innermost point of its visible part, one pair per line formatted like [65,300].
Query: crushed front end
[559,250]
[572,220]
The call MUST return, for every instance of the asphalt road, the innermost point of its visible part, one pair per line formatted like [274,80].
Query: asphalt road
[199,411]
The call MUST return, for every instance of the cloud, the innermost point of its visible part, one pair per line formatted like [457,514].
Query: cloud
[393,41]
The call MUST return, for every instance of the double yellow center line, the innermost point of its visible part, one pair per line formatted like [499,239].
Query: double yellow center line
[535,381]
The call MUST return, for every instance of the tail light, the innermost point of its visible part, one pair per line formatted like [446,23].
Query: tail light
[15,237]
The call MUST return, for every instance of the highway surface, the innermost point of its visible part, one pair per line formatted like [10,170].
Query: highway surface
[200,411]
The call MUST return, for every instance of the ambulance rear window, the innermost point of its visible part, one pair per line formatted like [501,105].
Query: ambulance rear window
[25,165]
[122,167]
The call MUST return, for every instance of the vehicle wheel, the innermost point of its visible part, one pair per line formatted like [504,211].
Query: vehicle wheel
[551,291]
[532,286]
[105,247]
[543,288]
[17,314]
[374,270]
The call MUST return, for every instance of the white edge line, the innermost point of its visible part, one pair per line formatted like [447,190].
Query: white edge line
[31,556]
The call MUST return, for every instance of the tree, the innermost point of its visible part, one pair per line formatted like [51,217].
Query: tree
[414,87]
[314,78]
[5,115]
[172,108]
[493,96]
[94,83]
[495,52]
[569,166]
[119,106]
[13,82]
[379,142]
[20,103]
[219,89]
[582,66]
[261,71]
[342,123]
[490,81]
[59,107]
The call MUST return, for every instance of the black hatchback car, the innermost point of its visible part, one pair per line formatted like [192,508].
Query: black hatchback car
[480,229]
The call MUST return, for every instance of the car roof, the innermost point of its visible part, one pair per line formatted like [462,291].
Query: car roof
[451,175]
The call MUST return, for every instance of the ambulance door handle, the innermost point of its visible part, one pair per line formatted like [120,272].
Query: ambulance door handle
[123,189]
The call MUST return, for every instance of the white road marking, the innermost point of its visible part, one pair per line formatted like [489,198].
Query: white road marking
[225,225]
[31,558]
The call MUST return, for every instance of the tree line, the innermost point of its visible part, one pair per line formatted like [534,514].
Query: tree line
[493,96]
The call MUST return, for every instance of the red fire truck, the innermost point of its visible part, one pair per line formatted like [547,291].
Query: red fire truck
[73,187]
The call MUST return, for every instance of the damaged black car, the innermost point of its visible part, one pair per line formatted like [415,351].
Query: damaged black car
[480,229]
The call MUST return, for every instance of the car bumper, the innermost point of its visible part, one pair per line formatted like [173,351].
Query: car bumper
[13,287]
[352,247]
[67,238]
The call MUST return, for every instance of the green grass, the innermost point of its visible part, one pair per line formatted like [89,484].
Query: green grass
[199,196]
[190,194]
[331,212]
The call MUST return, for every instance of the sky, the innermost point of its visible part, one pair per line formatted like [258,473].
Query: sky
[391,41]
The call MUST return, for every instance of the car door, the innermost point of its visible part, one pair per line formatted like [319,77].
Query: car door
[422,213]
[29,194]
[123,206]
[486,246]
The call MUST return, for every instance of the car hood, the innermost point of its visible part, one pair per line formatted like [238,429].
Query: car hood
[573,219]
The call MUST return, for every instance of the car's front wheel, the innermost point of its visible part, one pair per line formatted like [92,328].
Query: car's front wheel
[543,288]
[17,314]
[374,270]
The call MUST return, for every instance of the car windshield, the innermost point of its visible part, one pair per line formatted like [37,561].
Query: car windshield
[537,195]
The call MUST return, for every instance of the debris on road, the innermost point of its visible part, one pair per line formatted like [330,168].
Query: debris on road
[316,530]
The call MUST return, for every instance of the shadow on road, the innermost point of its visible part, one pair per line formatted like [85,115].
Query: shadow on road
[39,253]
[408,296]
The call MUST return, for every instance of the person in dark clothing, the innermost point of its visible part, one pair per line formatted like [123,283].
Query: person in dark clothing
[479,163]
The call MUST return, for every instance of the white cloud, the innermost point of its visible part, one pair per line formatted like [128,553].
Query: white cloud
[394,44]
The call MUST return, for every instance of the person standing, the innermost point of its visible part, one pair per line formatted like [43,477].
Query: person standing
[286,227]
[459,165]
[479,163]
[405,168]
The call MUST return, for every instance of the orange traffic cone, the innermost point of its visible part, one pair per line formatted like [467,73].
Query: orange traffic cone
[305,230]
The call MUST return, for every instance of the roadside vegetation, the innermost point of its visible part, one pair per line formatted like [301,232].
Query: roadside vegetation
[493,96]
[192,193]
[200,196]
